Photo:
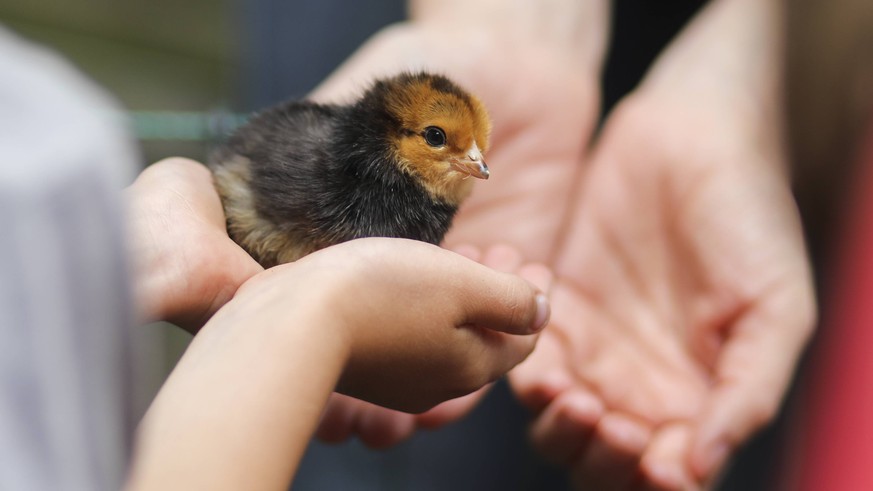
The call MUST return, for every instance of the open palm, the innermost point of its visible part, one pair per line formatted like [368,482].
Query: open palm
[685,294]
[543,109]
[682,270]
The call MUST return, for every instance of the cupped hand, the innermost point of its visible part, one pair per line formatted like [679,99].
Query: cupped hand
[683,303]
[186,267]
[419,324]
[684,295]
[396,322]
[380,427]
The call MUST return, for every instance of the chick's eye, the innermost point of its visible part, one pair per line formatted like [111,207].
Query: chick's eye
[434,136]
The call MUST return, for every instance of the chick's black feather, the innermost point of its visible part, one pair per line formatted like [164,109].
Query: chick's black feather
[311,175]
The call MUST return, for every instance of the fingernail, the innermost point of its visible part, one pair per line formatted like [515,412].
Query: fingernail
[544,311]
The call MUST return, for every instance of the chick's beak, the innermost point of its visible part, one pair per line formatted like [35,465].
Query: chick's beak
[474,168]
[473,165]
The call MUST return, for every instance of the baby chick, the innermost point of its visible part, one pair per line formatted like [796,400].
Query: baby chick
[302,176]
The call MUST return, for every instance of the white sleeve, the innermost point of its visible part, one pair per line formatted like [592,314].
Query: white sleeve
[65,304]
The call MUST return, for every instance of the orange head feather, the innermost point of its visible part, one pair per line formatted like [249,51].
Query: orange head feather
[444,135]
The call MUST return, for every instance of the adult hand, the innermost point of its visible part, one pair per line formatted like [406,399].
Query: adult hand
[186,266]
[544,102]
[684,296]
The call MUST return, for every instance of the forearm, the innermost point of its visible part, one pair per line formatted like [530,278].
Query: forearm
[730,56]
[241,405]
[470,42]
[730,40]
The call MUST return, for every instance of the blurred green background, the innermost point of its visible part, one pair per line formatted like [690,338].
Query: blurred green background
[153,55]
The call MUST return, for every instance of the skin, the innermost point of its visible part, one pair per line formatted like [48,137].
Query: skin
[706,288]
[187,267]
[246,381]
[682,209]
[534,142]
[684,295]
[535,153]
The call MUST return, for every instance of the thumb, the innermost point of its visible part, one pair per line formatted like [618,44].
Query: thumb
[504,302]
[754,371]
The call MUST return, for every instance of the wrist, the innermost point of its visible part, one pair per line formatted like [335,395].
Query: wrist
[728,61]
[576,30]
[733,47]
[257,376]
[304,303]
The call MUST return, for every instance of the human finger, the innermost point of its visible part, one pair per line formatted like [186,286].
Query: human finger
[451,410]
[471,252]
[381,428]
[563,430]
[502,257]
[504,302]
[338,419]
[538,275]
[752,375]
[547,373]
[611,460]
[664,466]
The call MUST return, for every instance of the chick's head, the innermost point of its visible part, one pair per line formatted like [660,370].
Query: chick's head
[443,133]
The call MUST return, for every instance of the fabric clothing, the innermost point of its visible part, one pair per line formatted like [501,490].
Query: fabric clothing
[65,305]
[836,450]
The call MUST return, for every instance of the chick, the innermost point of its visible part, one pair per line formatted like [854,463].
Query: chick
[303,176]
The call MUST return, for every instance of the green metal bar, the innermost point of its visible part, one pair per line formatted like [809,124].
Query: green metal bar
[185,126]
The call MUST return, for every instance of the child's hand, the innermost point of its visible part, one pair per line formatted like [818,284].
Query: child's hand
[378,427]
[418,324]
[396,322]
